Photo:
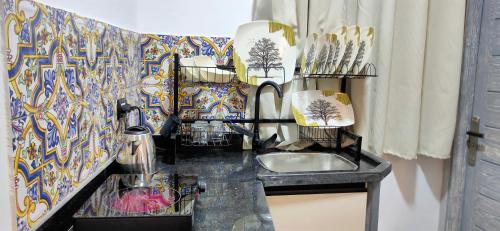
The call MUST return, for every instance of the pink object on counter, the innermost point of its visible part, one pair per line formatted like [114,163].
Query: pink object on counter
[140,201]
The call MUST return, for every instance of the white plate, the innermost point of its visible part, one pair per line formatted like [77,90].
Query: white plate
[309,54]
[332,39]
[187,68]
[209,71]
[322,108]
[367,35]
[323,47]
[351,49]
[340,45]
[276,43]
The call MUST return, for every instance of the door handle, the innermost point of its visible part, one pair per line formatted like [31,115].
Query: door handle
[472,141]
[475,134]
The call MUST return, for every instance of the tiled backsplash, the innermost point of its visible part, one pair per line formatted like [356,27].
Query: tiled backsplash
[203,101]
[65,74]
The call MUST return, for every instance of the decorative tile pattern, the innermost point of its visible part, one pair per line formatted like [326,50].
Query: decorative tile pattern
[66,73]
[196,101]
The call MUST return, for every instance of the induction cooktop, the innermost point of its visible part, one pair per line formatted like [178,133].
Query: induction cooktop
[164,201]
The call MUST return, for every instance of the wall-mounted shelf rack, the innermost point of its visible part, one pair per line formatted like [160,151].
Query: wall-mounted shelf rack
[190,75]
[328,137]
[366,71]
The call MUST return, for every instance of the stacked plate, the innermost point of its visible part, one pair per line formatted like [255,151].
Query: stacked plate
[346,50]
[203,69]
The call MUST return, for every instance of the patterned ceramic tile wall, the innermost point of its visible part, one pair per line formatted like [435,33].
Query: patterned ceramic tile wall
[198,101]
[65,74]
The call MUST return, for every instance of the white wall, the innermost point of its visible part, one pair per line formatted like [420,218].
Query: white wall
[411,195]
[187,17]
[193,17]
[121,13]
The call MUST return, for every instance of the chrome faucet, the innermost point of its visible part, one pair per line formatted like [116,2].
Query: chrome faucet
[256,138]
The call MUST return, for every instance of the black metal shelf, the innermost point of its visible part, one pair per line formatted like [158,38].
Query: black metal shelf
[219,74]
[325,136]
[206,75]
[354,72]
[226,74]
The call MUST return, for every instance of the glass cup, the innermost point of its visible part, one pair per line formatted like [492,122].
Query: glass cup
[217,130]
[199,130]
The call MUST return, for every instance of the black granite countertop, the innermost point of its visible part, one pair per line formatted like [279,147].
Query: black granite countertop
[235,198]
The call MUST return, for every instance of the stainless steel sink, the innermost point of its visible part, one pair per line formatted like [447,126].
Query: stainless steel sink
[305,162]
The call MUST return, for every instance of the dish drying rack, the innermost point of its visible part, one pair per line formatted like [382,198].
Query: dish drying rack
[327,135]
[223,138]
[213,136]
[216,75]
[338,138]
[344,72]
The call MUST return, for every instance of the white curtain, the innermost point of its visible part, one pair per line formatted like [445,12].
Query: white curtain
[410,108]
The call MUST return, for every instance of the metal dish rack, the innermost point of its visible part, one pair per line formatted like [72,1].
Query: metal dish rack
[189,135]
[337,138]
[323,135]
[219,74]
[355,72]
[212,136]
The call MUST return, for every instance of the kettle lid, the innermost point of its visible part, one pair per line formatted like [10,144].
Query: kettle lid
[136,130]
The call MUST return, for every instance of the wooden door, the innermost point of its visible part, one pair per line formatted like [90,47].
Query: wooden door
[481,204]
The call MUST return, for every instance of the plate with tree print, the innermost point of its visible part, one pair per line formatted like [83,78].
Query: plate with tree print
[351,50]
[322,108]
[264,51]
[321,54]
[367,35]
[337,45]
[306,63]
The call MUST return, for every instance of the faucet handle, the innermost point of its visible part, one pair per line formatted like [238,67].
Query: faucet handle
[239,129]
[269,143]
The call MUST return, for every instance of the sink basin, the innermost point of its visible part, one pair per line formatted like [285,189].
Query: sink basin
[283,162]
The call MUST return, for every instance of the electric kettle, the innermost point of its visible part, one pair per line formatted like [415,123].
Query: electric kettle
[138,156]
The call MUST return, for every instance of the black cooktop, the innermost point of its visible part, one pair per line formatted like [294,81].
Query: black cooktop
[132,202]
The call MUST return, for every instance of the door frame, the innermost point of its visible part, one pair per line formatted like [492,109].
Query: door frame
[458,163]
